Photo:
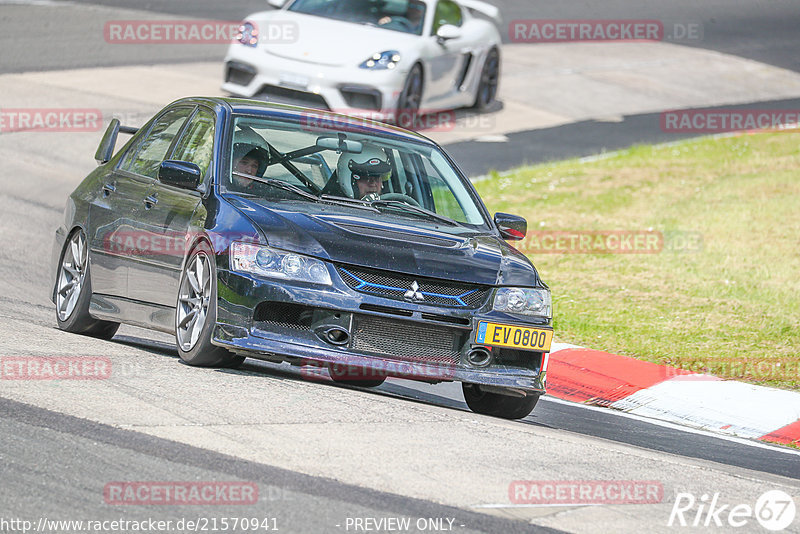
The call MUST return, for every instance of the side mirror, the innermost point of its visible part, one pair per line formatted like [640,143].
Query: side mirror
[512,227]
[106,148]
[179,174]
[277,4]
[447,32]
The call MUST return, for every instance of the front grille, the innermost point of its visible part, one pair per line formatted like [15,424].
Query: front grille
[397,286]
[406,340]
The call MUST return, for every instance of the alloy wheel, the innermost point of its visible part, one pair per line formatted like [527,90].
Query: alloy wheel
[71,275]
[193,301]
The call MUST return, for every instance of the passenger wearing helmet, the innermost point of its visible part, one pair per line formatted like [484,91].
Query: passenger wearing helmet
[363,175]
[250,156]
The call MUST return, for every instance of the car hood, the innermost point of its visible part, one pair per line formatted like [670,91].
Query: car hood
[321,41]
[342,235]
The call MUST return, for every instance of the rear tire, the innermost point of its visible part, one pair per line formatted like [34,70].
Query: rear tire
[74,291]
[196,312]
[497,405]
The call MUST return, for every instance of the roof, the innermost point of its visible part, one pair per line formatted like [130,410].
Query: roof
[260,107]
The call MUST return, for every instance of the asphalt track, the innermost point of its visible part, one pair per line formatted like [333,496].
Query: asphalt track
[757,30]
[37,482]
[319,452]
[578,139]
[764,31]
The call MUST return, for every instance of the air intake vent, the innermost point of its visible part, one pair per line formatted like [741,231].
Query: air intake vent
[399,236]
[404,340]
[283,314]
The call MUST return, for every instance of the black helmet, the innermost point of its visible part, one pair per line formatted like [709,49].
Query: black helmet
[248,143]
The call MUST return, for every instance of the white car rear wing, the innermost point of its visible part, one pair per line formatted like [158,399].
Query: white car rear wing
[483,8]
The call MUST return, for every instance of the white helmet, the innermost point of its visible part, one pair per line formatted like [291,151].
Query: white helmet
[372,161]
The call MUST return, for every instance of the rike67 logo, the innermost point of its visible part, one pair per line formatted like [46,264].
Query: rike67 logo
[774,510]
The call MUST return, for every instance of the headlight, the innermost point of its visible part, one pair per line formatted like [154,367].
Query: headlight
[382,61]
[524,301]
[248,34]
[273,263]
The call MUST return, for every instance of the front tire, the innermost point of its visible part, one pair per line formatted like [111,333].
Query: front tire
[196,312]
[410,99]
[74,291]
[497,405]
[490,80]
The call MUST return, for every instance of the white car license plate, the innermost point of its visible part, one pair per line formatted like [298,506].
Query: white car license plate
[294,80]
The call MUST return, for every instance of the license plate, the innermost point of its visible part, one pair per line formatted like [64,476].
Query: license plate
[518,337]
[294,80]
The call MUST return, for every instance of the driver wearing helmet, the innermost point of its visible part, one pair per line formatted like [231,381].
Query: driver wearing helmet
[251,157]
[362,175]
[412,20]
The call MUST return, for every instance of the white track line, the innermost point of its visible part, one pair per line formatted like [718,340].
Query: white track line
[674,426]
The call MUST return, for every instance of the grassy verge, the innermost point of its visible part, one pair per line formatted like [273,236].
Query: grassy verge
[721,295]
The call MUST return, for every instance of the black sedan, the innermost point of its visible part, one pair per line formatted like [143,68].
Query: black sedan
[255,230]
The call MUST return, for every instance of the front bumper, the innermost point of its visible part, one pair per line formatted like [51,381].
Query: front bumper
[398,338]
[253,73]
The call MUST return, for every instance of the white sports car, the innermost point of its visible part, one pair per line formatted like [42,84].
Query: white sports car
[390,60]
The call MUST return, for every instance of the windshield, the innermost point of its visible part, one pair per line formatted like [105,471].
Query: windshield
[319,161]
[406,16]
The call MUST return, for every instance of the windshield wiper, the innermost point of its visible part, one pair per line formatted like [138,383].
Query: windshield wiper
[347,201]
[409,208]
[280,184]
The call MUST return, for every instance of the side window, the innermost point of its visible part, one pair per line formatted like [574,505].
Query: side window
[197,143]
[145,157]
[445,202]
[447,12]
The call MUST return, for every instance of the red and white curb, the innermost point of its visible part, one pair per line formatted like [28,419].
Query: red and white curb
[674,395]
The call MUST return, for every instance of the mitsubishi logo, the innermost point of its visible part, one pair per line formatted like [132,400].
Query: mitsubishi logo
[414,293]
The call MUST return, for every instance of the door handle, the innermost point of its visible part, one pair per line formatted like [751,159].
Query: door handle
[150,201]
[108,189]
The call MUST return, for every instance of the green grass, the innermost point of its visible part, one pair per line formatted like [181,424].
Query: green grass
[731,308]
